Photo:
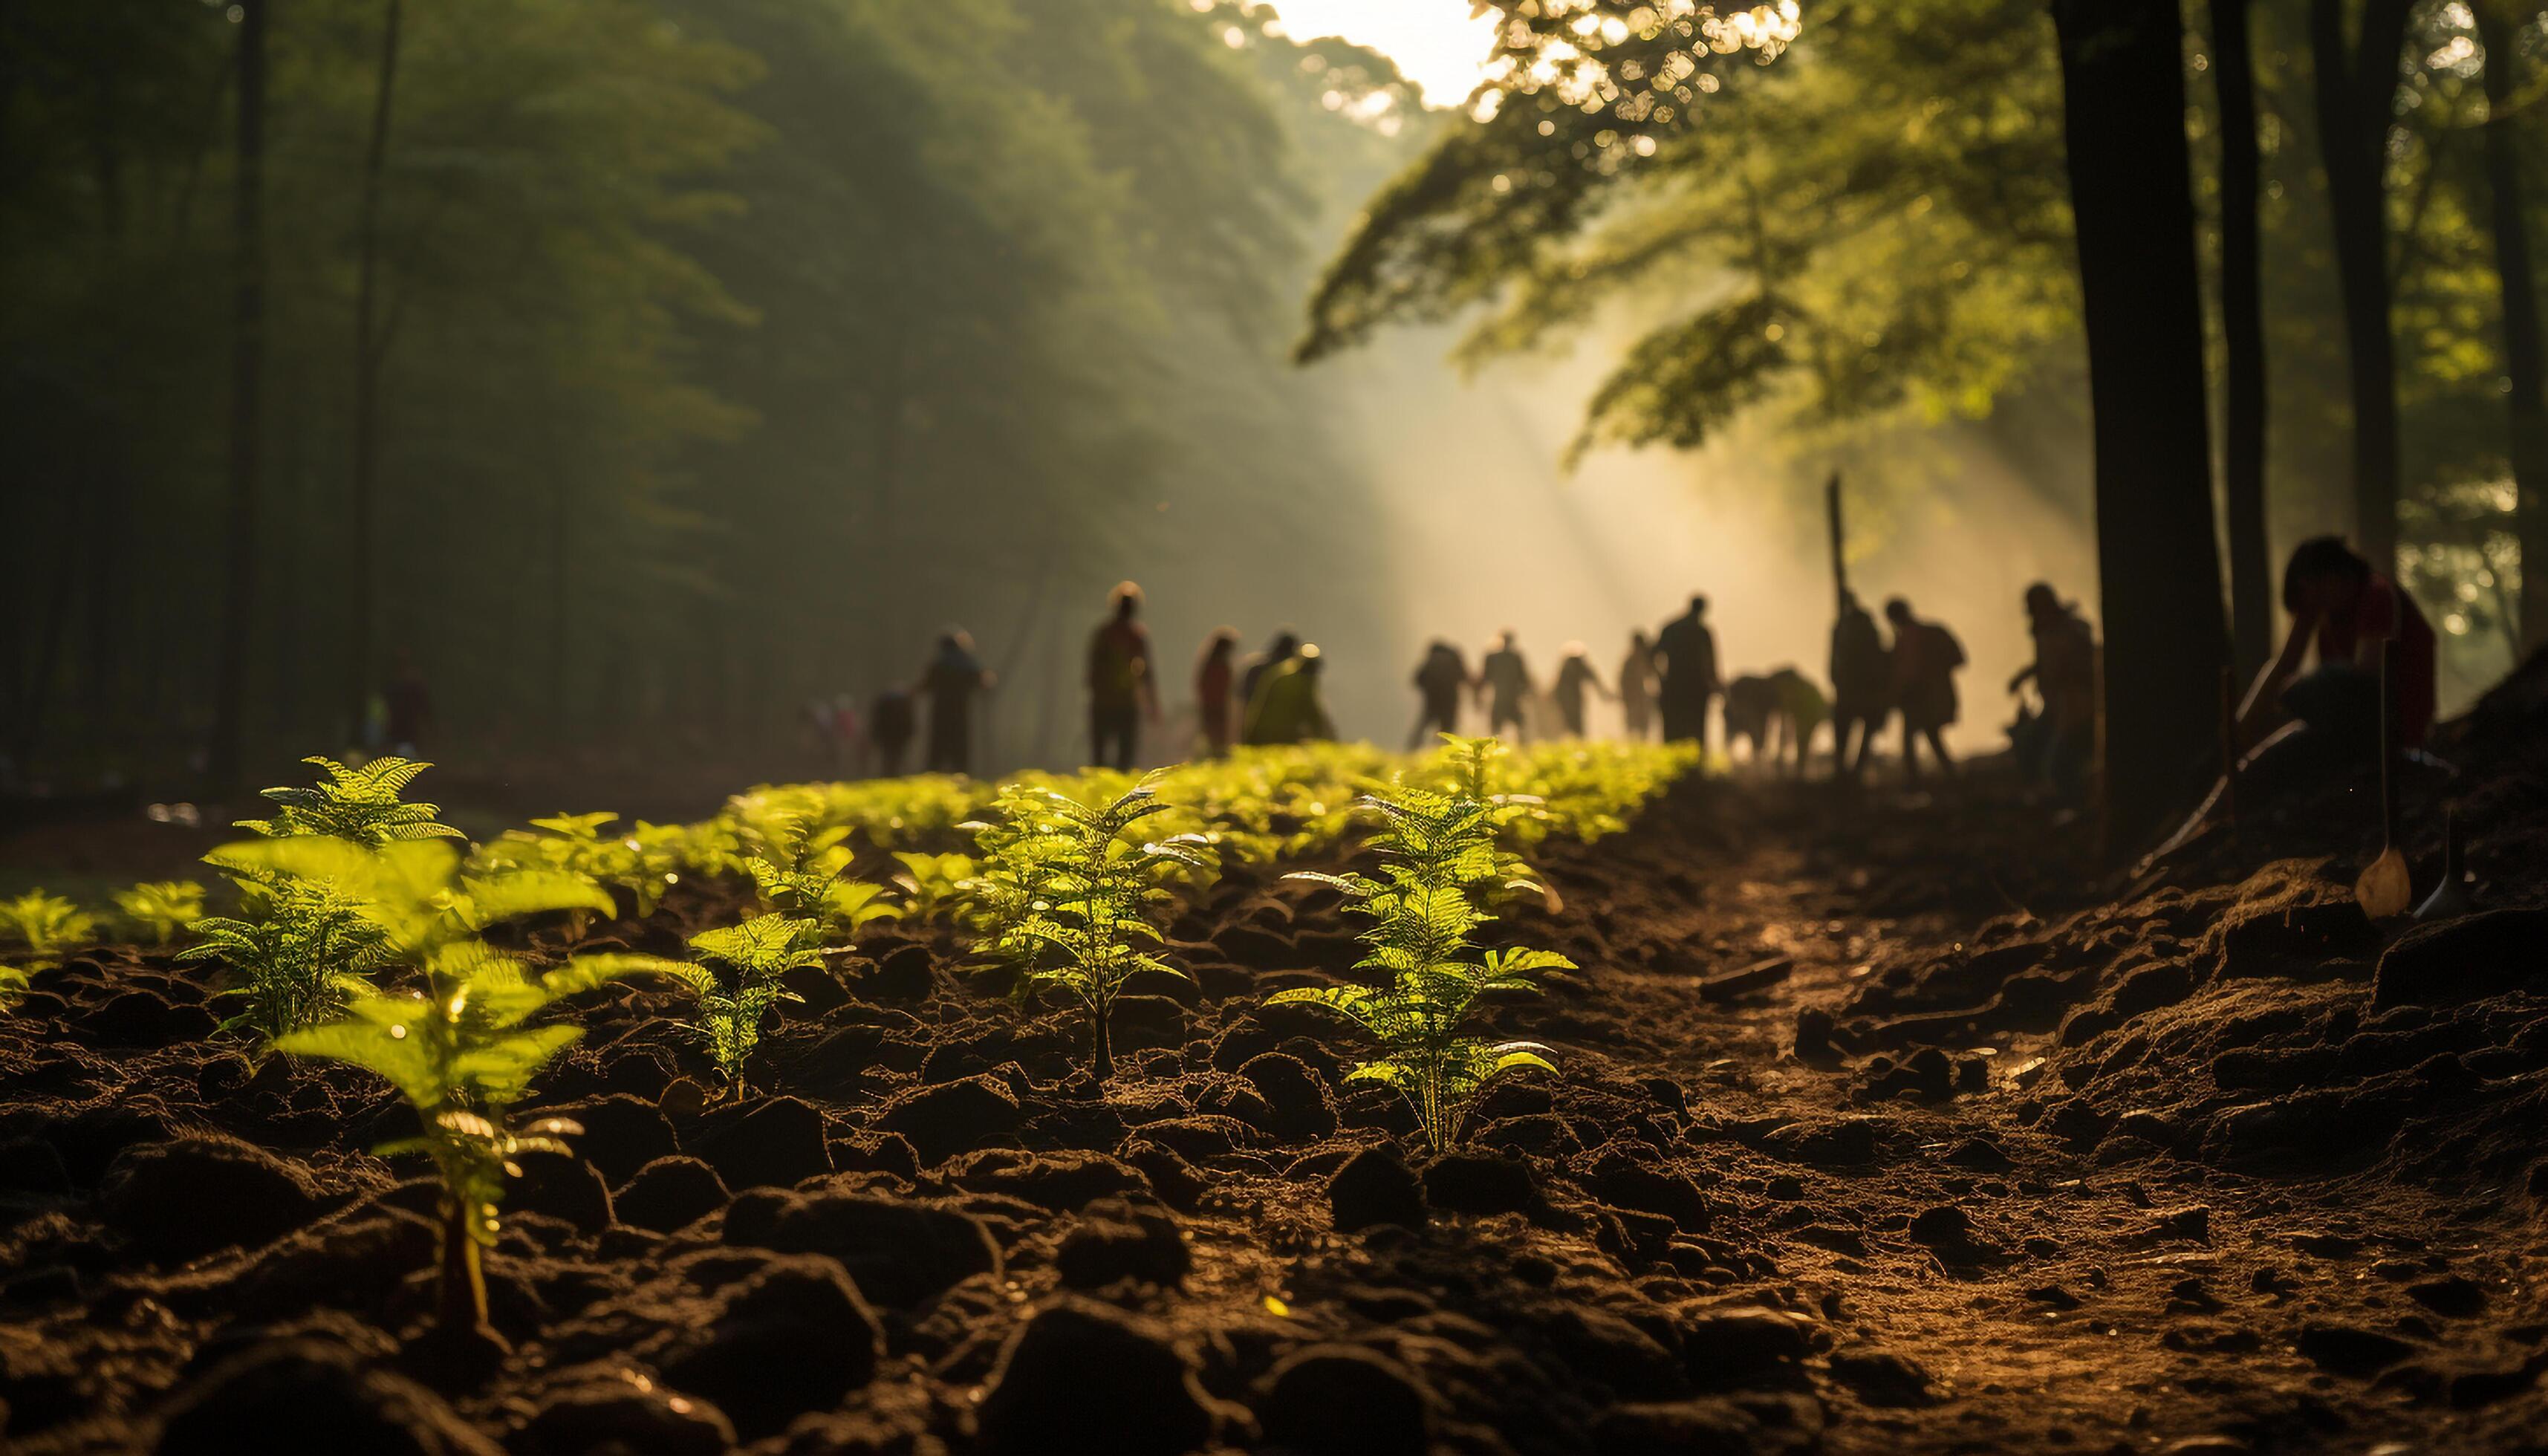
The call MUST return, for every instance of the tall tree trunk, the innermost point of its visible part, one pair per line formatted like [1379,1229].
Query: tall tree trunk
[2158,559]
[370,347]
[2243,329]
[2498,26]
[2355,91]
[248,368]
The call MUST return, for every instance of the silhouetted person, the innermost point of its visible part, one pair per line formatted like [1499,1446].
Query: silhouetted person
[1686,655]
[1120,689]
[1862,678]
[1926,658]
[1575,676]
[1216,675]
[1637,686]
[2064,675]
[1253,670]
[889,728]
[1441,680]
[1287,708]
[951,681]
[2329,720]
[407,704]
[1503,682]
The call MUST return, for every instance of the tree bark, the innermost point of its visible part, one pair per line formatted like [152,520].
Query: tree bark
[2355,91]
[2243,329]
[2158,559]
[2498,26]
[228,749]
[369,352]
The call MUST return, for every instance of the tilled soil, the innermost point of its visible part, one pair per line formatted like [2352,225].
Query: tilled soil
[1881,1124]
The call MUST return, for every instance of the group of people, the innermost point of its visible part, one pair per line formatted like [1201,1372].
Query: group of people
[2339,605]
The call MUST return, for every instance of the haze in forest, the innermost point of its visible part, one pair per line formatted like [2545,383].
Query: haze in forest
[648,384]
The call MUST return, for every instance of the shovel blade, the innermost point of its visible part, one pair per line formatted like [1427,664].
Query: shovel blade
[2383,889]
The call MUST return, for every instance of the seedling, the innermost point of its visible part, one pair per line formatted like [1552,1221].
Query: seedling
[49,925]
[359,805]
[740,983]
[462,1049]
[643,862]
[307,955]
[803,874]
[932,884]
[1065,891]
[161,908]
[1441,863]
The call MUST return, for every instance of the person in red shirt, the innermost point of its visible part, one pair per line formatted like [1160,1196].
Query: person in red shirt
[1120,687]
[2346,610]
[1216,675]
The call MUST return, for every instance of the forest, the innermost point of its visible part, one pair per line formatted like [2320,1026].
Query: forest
[705,727]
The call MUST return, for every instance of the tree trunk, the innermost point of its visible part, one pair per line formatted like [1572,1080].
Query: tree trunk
[2356,94]
[2158,564]
[2498,26]
[2242,328]
[247,367]
[369,350]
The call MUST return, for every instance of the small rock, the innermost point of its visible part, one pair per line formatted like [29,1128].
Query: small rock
[670,1193]
[621,1134]
[1098,1379]
[1479,1183]
[1297,1100]
[778,1144]
[1375,1186]
[1882,1377]
[792,1337]
[181,1200]
[621,1417]
[900,1251]
[2452,1297]
[1735,1348]
[2344,1349]
[307,1398]
[1119,1240]
[2447,961]
[952,1117]
[1343,1400]
[1062,1182]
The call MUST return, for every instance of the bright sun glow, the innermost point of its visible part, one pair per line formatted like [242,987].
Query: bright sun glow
[1435,43]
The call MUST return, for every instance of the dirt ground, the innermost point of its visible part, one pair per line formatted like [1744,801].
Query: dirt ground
[1880,1126]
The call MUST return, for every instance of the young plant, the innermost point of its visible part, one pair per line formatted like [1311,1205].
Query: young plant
[462,1049]
[739,983]
[359,805]
[301,960]
[1065,891]
[803,874]
[162,907]
[1442,863]
[932,884]
[49,925]
[645,861]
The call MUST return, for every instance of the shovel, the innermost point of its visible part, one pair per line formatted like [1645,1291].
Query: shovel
[2383,891]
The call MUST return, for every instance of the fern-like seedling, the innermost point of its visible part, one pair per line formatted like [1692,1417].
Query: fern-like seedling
[48,926]
[310,950]
[738,983]
[1065,893]
[160,908]
[803,874]
[359,805]
[1441,864]
[645,861]
[462,1048]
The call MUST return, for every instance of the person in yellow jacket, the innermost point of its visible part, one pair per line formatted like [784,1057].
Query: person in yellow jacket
[1286,707]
